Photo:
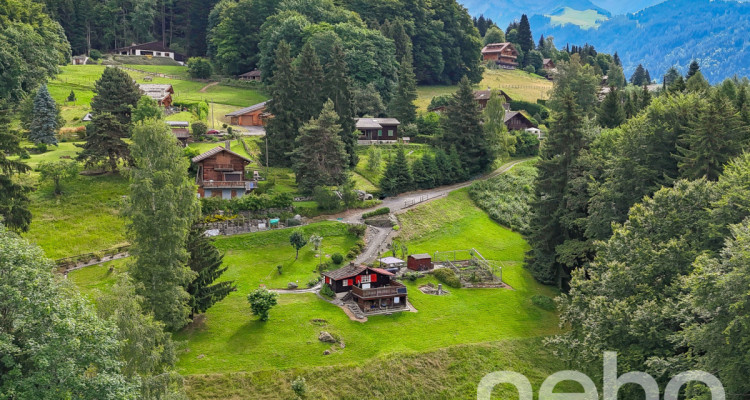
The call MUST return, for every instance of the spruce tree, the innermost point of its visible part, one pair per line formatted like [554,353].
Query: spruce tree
[116,94]
[443,167]
[629,108]
[309,78]
[617,60]
[717,136]
[205,260]
[692,69]
[431,169]
[550,225]
[639,76]
[397,177]
[462,128]
[678,86]
[525,39]
[422,180]
[645,98]
[320,157]
[742,104]
[611,113]
[671,76]
[14,200]
[338,88]
[402,104]
[44,118]
[458,172]
[281,130]
[104,142]
[161,209]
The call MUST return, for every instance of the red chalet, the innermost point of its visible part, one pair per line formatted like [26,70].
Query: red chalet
[503,54]
[221,173]
[371,288]
[419,262]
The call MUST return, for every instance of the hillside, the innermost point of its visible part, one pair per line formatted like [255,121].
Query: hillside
[505,11]
[669,34]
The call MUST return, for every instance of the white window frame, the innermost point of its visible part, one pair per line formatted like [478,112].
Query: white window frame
[345,283]
[365,279]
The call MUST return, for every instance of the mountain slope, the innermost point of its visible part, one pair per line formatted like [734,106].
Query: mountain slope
[617,7]
[671,33]
[505,11]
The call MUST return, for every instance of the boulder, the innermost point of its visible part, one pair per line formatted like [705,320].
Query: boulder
[326,337]
[327,352]
[292,285]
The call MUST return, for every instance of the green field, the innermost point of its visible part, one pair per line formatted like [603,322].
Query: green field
[518,84]
[586,19]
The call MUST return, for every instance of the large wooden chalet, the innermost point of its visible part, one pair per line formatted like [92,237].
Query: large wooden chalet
[221,173]
[161,93]
[373,289]
[255,115]
[516,121]
[503,54]
[483,96]
[378,128]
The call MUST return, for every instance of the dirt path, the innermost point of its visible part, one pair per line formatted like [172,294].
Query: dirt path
[204,88]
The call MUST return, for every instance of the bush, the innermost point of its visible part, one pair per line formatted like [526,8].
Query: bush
[448,277]
[409,130]
[543,302]
[251,202]
[357,230]
[199,68]
[313,282]
[326,291]
[531,109]
[95,54]
[41,147]
[506,198]
[198,129]
[440,101]
[412,276]
[379,211]
[530,69]
[428,124]
[299,387]
[527,144]
[326,199]
[337,258]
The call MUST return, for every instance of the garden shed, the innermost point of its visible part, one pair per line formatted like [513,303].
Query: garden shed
[419,262]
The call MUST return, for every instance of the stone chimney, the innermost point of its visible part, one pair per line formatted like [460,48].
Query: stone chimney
[227,145]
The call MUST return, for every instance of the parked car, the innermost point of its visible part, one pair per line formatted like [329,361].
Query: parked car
[213,132]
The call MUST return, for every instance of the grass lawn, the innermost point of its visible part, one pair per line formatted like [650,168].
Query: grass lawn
[518,84]
[174,70]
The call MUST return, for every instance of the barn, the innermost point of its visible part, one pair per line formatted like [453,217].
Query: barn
[419,262]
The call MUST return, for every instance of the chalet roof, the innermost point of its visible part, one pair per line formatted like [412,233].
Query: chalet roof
[486,94]
[246,110]
[512,114]
[382,271]
[423,256]
[546,61]
[151,46]
[498,47]
[251,74]
[156,91]
[216,150]
[376,123]
[391,260]
[345,272]
[177,123]
[181,133]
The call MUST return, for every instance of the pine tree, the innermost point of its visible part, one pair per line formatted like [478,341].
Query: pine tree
[549,228]
[458,172]
[648,78]
[462,128]
[44,118]
[320,157]
[542,44]
[617,60]
[397,177]
[431,169]
[14,200]
[282,129]
[310,78]
[338,88]
[116,94]
[611,113]
[205,260]
[402,104]
[678,86]
[443,167]
[741,104]
[104,142]
[525,39]
[645,98]
[422,180]
[717,136]
[639,76]
[629,108]
[482,25]
[161,208]
[671,76]
[692,69]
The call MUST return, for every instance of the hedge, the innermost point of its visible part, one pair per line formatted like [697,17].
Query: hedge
[447,276]
[374,213]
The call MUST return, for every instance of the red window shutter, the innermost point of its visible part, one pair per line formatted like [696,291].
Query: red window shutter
[359,278]
[374,278]
[328,280]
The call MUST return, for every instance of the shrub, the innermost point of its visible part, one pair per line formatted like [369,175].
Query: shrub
[412,276]
[352,255]
[379,211]
[357,230]
[299,387]
[261,301]
[95,54]
[440,101]
[530,69]
[326,199]
[326,291]
[280,269]
[506,198]
[293,222]
[448,277]
[543,302]
[530,108]
[409,130]
[337,258]
[199,67]
[198,129]
[313,282]
[41,147]
[527,144]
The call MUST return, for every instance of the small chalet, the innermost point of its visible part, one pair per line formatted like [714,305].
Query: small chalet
[221,173]
[516,121]
[503,54]
[378,128]
[80,60]
[161,93]
[250,116]
[373,289]
[253,75]
[180,130]
[419,262]
[152,49]
[483,96]
[391,263]
[548,64]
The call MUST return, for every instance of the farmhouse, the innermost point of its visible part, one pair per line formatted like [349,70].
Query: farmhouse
[161,93]
[483,96]
[80,60]
[152,49]
[253,75]
[371,288]
[419,262]
[221,173]
[378,129]
[503,54]
[255,115]
[516,121]
[180,130]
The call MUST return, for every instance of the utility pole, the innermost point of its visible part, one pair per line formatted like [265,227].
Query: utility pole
[266,155]
[213,121]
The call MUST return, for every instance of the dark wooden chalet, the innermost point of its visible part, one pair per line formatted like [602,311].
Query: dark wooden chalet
[255,115]
[181,130]
[503,54]
[483,96]
[253,75]
[516,121]
[373,289]
[378,128]
[221,173]
[419,262]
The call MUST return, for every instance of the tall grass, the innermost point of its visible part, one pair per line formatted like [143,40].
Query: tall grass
[507,197]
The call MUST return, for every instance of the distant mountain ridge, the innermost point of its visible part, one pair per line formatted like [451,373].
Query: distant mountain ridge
[505,11]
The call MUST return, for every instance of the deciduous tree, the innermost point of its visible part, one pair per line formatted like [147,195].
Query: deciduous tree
[261,301]
[57,172]
[298,240]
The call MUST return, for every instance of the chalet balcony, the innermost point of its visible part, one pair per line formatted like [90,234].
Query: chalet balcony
[223,167]
[393,289]
[225,184]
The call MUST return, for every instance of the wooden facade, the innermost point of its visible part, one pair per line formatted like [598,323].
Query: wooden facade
[483,96]
[516,121]
[181,130]
[419,262]
[221,173]
[255,115]
[503,54]
[253,75]
[378,128]
[161,93]
[373,289]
